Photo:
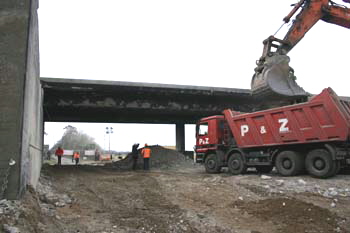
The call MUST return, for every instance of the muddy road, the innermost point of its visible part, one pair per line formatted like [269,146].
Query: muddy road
[100,199]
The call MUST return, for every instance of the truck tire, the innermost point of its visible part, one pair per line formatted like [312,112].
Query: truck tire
[211,164]
[236,164]
[319,164]
[289,163]
[264,169]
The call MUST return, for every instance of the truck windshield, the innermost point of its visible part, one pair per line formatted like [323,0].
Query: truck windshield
[203,129]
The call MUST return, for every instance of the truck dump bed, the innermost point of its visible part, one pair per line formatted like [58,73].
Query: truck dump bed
[324,118]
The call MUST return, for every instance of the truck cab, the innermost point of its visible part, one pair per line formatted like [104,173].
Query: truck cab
[210,132]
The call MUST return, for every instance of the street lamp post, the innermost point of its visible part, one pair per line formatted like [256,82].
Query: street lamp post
[104,143]
[109,131]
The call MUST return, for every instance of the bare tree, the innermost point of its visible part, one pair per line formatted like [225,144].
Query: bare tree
[73,139]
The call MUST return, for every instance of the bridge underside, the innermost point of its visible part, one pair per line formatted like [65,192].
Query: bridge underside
[128,102]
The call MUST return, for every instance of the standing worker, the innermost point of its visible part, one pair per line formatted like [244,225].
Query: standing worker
[146,153]
[59,153]
[76,157]
[97,155]
[48,153]
[135,155]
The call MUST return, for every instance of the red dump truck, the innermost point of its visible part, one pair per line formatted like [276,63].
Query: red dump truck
[311,136]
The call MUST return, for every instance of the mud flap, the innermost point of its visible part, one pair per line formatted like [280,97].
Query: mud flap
[221,158]
[276,79]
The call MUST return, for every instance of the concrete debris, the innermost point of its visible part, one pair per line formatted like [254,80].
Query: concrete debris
[54,199]
[302,182]
[60,204]
[8,207]
[331,192]
[326,194]
[10,229]
[274,184]
[264,177]
[2,201]
[279,182]
[48,196]
[41,227]
[215,179]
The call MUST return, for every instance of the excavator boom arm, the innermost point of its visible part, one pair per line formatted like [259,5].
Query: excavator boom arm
[311,12]
[337,15]
[273,77]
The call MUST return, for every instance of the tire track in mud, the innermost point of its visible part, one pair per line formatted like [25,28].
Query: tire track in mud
[145,207]
[126,201]
[177,201]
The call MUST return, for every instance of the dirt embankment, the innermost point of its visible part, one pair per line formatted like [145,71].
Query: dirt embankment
[161,158]
[177,199]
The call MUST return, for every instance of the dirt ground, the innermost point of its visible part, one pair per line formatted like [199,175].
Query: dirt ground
[101,199]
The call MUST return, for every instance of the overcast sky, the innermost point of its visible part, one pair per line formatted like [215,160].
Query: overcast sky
[187,42]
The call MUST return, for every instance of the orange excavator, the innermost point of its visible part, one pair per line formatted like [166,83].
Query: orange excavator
[273,77]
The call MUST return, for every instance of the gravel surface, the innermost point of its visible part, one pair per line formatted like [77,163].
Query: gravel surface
[177,197]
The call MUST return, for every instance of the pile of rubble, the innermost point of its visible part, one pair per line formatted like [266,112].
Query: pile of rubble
[9,215]
[161,158]
[36,209]
[301,186]
[335,190]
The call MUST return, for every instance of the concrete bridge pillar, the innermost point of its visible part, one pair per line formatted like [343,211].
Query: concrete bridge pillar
[180,137]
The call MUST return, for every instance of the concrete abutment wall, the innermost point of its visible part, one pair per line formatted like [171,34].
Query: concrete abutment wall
[21,117]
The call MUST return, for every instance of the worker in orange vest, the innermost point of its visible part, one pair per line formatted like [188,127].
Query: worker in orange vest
[76,157]
[146,154]
[59,153]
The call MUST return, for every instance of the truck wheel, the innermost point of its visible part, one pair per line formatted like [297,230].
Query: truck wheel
[289,163]
[236,164]
[264,169]
[319,164]
[212,164]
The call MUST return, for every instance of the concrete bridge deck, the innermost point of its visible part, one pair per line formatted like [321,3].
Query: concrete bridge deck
[131,102]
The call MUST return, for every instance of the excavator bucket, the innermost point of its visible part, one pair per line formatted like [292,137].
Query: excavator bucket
[275,79]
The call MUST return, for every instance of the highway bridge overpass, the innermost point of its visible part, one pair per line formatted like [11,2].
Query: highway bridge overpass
[26,101]
[76,100]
